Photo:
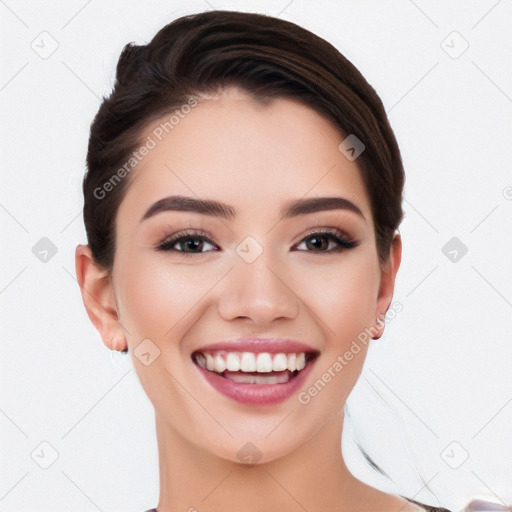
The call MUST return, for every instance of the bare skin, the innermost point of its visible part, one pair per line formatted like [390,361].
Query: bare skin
[255,158]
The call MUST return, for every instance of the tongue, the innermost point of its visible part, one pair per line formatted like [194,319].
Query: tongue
[258,378]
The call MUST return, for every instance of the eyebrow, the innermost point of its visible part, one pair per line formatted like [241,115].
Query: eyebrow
[215,208]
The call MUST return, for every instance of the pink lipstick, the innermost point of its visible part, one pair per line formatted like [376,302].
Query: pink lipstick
[256,371]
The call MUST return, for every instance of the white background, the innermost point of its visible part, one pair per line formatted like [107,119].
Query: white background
[444,364]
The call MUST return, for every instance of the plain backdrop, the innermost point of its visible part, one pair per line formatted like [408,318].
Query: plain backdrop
[434,404]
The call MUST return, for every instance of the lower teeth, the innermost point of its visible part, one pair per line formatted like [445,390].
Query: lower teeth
[247,378]
[254,377]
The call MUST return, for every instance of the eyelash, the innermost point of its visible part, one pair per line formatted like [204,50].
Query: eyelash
[331,234]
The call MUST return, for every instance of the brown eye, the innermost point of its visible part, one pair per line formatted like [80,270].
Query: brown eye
[188,243]
[327,241]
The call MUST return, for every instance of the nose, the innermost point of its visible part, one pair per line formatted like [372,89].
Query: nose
[259,293]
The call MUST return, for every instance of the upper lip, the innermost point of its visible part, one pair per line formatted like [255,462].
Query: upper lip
[271,345]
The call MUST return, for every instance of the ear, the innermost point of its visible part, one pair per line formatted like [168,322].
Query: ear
[387,285]
[99,299]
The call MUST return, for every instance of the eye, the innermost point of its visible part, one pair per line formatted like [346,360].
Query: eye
[322,241]
[190,242]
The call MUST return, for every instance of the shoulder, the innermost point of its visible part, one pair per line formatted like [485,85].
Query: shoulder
[427,508]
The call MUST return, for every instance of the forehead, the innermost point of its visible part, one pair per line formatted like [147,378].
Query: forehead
[245,153]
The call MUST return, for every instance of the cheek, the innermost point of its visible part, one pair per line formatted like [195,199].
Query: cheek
[343,295]
[155,295]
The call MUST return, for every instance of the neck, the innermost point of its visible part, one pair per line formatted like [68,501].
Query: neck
[314,477]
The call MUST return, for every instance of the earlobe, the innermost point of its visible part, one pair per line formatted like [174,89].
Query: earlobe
[387,285]
[98,298]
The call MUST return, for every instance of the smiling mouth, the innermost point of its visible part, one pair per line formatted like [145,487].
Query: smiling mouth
[254,367]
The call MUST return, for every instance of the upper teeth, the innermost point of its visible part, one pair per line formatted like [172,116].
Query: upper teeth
[262,362]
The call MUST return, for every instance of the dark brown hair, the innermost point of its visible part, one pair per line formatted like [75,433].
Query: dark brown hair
[266,57]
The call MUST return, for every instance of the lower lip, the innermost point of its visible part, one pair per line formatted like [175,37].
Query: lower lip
[256,394]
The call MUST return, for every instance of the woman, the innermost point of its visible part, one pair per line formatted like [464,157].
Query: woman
[242,198]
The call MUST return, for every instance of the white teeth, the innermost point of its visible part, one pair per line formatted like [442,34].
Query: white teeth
[210,364]
[220,364]
[301,361]
[263,362]
[248,362]
[233,362]
[279,363]
[201,360]
[259,379]
[291,362]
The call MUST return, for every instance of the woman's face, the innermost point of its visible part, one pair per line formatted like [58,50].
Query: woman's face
[259,273]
